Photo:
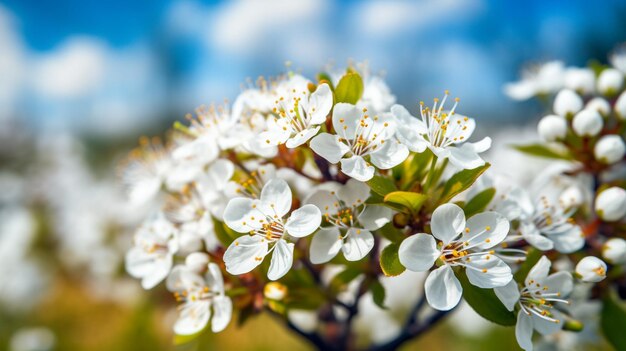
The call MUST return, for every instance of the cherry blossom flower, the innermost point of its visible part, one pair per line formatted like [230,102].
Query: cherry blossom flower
[151,257]
[269,228]
[537,300]
[351,222]
[360,135]
[202,298]
[467,244]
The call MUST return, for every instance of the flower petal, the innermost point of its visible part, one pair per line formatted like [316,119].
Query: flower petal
[151,267]
[238,214]
[325,245]
[244,254]
[282,259]
[547,327]
[524,331]
[418,252]
[329,147]
[570,241]
[508,294]
[277,195]
[346,118]
[358,244]
[354,193]
[222,313]
[487,228]
[320,103]
[447,222]
[559,282]
[302,137]
[488,271]
[304,221]
[357,168]
[374,217]
[443,289]
[465,157]
[390,155]
[539,272]
[193,317]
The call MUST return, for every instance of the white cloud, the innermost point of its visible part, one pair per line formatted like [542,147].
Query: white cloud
[388,17]
[240,26]
[75,69]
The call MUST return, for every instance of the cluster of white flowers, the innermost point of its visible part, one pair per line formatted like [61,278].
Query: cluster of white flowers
[302,169]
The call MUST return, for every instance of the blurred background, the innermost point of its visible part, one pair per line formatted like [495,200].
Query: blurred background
[80,81]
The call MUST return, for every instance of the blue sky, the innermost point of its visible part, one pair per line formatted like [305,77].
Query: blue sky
[110,65]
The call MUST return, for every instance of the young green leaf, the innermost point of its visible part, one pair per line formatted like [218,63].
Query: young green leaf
[378,293]
[485,302]
[613,320]
[224,234]
[390,261]
[461,181]
[410,200]
[341,280]
[381,185]
[532,257]
[479,202]
[391,233]
[324,77]
[349,89]
[542,151]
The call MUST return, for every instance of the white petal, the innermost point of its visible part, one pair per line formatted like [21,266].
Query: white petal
[144,190]
[354,193]
[559,282]
[324,200]
[219,174]
[546,327]
[244,254]
[497,272]
[487,228]
[447,222]
[357,168]
[277,195]
[508,294]
[304,221]
[282,259]
[325,245]
[222,313]
[320,103]
[346,119]
[418,252]
[524,331]
[238,214]
[152,268]
[214,278]
[539,272]
[480,146]
[193,317]
[358,244]
[329,147]
[570,241]
[390,155]
[375,217]
[443,289]
[531,234]
[302,137]
[465,157]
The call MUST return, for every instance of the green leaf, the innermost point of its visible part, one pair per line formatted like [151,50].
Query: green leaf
[381,185]
[324,77]
[391,233]
[532,257]
[390,260]
[613,320]
[349,89]
[341,280]
[485,302]
[412,201]
[479,202]
[378,293]
[542,151]
[224,234]
[461,181]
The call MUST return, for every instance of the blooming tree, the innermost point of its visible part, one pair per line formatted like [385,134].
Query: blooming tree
[299,170]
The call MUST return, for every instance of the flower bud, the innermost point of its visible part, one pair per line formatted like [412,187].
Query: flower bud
[581,80]
[571,197]
[552,128]
[197,261]
[275,291]
[614,250]
[609,149]
[591,269]
[620,106]
[611,204]
[567,102]
[610,81]
[599,104]
[189,242]
[587,123]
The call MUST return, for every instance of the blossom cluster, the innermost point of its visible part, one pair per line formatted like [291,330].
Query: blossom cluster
[260,196]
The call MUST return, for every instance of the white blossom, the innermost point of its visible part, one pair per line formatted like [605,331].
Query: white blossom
[581,80]
[587,123]
[591,269]
[610,81]
[614,251]
[540,79]
[552,128]
[599,104]
[610,204]
[567,102]
[467,244]
[609,149]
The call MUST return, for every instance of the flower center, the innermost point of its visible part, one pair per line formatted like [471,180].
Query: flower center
[441,132]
